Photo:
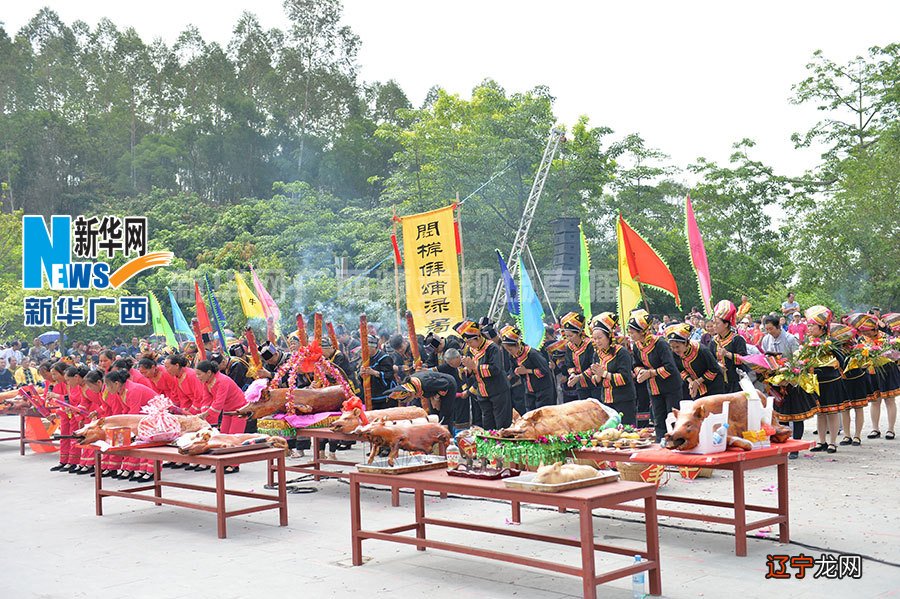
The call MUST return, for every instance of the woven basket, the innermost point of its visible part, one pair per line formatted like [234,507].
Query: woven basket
[632,471]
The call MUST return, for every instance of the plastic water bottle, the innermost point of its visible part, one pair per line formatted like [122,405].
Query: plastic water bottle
[637,582]
[720,434]
[452,456]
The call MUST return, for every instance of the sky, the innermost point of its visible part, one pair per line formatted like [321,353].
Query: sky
[691,77]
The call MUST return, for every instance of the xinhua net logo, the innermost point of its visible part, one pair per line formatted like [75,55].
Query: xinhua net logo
[47,253]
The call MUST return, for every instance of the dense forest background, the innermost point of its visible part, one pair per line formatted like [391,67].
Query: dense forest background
[272,151]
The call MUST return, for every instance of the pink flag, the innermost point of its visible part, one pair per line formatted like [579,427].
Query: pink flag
[698,257]
[270,309]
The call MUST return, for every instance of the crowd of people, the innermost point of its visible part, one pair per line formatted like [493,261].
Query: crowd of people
[482,373]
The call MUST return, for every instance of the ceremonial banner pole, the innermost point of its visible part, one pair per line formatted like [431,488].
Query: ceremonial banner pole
[396,266]
[364,359]
[462,256]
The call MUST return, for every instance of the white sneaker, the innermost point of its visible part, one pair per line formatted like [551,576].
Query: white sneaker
[297,454]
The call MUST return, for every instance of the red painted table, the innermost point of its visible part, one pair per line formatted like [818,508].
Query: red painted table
[21,434]
[609,495]
[315,468]
[734,460]
[170,454]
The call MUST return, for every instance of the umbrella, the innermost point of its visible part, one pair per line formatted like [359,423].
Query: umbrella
[49,337]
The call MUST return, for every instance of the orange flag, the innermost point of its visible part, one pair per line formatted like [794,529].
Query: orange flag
[645,265]
[202,315]
[35,430]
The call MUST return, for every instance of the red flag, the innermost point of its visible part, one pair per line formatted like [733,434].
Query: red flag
[202,316]
[394,243]
[458,238]
[645,265]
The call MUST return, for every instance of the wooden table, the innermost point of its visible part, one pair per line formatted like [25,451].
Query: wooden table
[20,434]
[314,467]
[734,460]
[170,454]
[609,495]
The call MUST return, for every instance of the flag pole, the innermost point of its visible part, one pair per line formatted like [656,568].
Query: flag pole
[396,272]
[462,255]
[537,274]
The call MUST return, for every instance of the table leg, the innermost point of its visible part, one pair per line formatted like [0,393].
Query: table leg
[282,493]
[355,522]
[21,434]
[588,568]
[516,512]
[420,515]
[740,511]
[652,528]
[317,466]
[98,484]
[270,474]
[157,479]
[395,496]
[220,500]
[784,529]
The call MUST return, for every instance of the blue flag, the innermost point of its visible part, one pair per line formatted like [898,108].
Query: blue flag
[512,294]
[218,316]
[531,319]
[179,322]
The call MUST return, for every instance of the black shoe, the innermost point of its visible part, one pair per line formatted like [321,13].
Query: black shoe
[889,435]
[107,473]
[57,468]
[75,470]
[232,469]
[873,435]
[177,465]
[856,442]
[87,470]
[832,448]
[820,447]
[191,467]
[202,468]
[67,467]
[793,455]
[846,441]
[123,475]
[135,476]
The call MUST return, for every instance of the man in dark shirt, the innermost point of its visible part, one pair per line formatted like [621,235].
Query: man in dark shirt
[7,380]
[463,411]
[381,371]
[484,361]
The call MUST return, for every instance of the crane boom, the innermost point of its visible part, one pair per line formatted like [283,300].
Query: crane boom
[499,299]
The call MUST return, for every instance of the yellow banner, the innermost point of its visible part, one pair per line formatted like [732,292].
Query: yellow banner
[432,273]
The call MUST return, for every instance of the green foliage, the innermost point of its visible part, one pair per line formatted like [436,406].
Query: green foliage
[269,151]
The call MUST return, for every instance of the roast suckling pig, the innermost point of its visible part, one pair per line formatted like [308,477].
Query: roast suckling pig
[572,417]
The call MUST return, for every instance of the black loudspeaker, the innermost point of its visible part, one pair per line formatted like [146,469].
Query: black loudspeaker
[562,282]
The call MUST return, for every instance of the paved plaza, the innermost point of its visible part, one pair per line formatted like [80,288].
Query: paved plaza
[53,546]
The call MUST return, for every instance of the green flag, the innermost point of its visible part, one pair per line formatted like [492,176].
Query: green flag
[584,293]
[160,324]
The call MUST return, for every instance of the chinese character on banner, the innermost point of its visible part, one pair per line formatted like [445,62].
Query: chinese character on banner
[38,311]
[133,310]
[801,563]
[433,292]
[69,310]
[112,235]
[93,302]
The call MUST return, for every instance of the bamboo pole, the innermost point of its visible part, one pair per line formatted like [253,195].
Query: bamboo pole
[364,358]
[396,272]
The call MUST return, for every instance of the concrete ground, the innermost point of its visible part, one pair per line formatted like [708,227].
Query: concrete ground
[53,546]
